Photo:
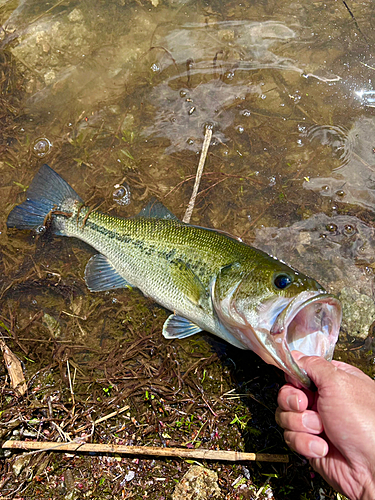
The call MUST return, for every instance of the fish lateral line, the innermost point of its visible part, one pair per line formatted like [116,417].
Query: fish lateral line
[210,280]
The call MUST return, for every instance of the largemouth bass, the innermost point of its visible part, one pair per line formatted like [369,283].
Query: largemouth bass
[209,280]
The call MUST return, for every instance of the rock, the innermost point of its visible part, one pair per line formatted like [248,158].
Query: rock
[198,483]
[358,313]
[75,16]
[20,463]
[339,253]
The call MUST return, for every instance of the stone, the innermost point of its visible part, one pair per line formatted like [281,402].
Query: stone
[198,483]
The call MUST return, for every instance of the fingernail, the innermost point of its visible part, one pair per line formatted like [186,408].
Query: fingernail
[318,449]
[293,402]
[312,422]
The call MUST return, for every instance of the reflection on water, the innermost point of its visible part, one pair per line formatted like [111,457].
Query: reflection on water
[353,181]
[189,111]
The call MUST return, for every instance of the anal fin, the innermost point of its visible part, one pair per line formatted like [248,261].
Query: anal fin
[177,327]
[100,275]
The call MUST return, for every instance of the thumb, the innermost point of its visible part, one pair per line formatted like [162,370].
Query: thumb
[317,368]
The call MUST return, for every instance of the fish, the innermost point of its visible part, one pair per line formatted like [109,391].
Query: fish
[211,281]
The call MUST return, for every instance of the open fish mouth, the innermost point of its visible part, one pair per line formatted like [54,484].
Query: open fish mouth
[309,324]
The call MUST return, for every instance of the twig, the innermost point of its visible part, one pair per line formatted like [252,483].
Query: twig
[354,20]
[102,419]
[202,159]
[70,385]
[200,454]
[46,12]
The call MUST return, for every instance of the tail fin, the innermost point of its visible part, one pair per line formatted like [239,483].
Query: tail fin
[47,191]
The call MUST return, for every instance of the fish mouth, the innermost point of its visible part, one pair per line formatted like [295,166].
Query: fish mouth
[310,323]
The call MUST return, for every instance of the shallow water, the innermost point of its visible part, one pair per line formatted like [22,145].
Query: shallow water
[116,96]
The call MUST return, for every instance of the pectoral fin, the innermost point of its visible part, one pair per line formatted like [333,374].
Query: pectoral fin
[100,275]
[177,327]
[187,282]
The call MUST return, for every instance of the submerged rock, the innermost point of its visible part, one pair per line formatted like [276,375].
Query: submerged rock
[358,313]
[339,252]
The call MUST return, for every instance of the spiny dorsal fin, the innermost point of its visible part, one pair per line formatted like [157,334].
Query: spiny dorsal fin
[156,210]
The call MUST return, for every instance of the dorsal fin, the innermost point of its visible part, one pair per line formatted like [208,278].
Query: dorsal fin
[156,210]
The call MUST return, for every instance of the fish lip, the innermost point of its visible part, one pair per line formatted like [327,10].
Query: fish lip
[282,338]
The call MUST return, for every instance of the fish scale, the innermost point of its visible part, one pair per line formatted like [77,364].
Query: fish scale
[209,280]
[145,252]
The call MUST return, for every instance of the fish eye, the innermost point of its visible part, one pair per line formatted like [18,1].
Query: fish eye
[282,281]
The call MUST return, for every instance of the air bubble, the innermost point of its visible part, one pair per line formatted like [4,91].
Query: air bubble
[121,195]
[272,181]
[40,230]
[332,228]
[349,229]
[42,147]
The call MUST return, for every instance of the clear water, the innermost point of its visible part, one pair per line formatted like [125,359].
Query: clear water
[116,97]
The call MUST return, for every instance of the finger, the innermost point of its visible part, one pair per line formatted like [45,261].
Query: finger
[306,444]
[317,368]
[292,399]
[306,421]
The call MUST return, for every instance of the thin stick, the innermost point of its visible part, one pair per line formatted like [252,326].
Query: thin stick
[102,419]
[70,385]
[46,12]
[201,454]
[202,159]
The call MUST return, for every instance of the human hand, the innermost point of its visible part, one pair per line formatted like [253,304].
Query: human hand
[335,426]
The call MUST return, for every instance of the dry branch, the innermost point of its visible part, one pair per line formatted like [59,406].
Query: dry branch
[202,159]
[200,454]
